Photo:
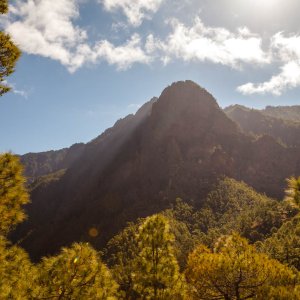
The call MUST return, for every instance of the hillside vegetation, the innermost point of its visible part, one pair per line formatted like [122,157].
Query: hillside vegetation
[239,245]
[176,146]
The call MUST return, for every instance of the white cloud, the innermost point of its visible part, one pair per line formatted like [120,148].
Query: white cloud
[287,51]
[286,48]
[235,49]
[123,56]
[134,10]
[213,44]
[46,28]
[288,78]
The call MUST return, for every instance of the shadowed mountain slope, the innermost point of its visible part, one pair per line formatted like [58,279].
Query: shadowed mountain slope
[43,163]
[174,146]
[256,122]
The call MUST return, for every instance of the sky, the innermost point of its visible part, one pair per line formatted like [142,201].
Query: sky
[88,63]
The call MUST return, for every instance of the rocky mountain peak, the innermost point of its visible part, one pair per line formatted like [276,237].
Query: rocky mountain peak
[185,107]
[184,97]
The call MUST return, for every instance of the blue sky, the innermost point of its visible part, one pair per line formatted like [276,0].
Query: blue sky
[87,63]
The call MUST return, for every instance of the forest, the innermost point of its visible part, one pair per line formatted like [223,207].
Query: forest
[239,245]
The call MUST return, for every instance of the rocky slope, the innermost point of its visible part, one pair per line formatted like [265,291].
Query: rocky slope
[175,146]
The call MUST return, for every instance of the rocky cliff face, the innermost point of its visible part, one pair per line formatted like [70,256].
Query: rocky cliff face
[175,146]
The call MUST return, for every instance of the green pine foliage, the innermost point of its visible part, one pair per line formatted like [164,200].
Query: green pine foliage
[237,207]
[293,191]
[235,270]
[184,242]
[281,293]
[76,273]
[143,260]
[182,253]
[284,245]
[9,54]
[233,207]
[156,272]
[121,252]
[3,7]
[13,193]
[17,273]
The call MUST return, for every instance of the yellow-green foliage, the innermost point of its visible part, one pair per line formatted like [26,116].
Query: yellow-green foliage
[9,53]
[281,293]
[235,270]
[284,245]
[13,193]
[3,6]
[76,273]
[293,191]
[17,274]
[8,57]
[233,206]
[123,250]
[143,257]
[156,272]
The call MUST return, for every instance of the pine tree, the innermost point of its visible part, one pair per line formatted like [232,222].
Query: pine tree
[13,193]
[9,53]
[281,293]
[156,272]
[3,7]
[76,273]
[17,273]
[123,249]
[235,270]
[284,245]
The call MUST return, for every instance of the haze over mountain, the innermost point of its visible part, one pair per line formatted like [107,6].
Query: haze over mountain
[290,113]
[178,145]
[39,164]
[278,122]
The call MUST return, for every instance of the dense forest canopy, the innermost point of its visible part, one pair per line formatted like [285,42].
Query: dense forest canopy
[239,245]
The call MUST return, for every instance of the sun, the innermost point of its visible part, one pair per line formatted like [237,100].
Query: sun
[265,3]
[259,9]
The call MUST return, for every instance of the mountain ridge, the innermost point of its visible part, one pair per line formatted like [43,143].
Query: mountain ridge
[256,122]
[178,145]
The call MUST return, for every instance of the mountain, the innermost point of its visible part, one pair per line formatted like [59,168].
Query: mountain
[43,163]
[257,122]
[289,113]
[178,145]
